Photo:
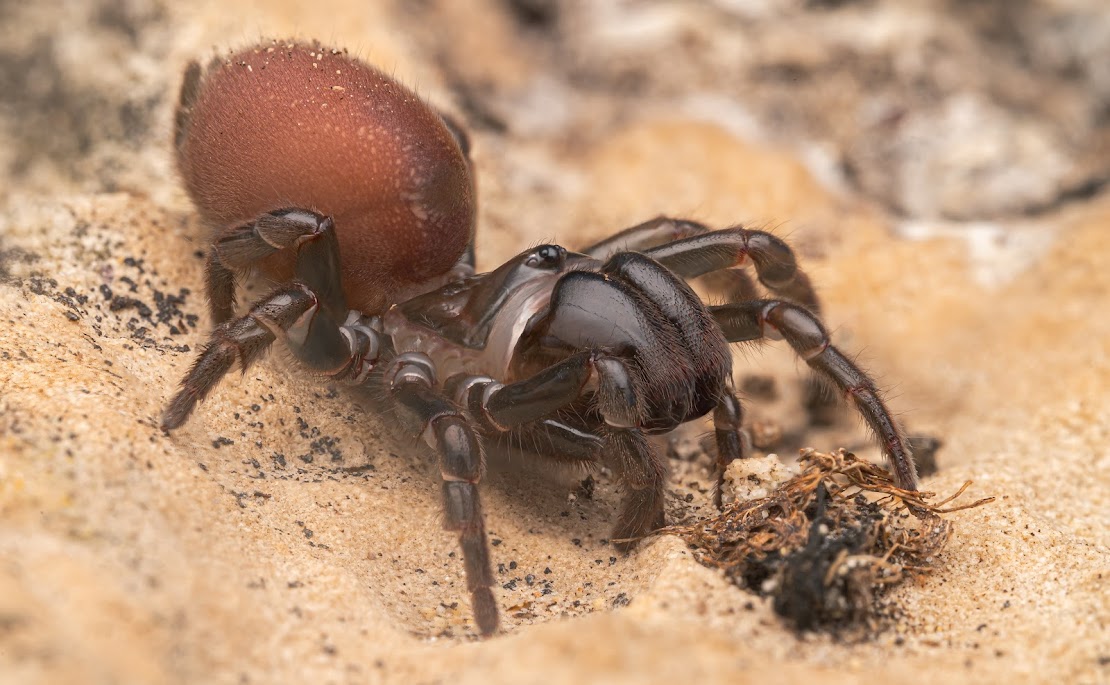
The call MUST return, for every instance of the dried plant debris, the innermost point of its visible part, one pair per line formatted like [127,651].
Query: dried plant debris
[826,543]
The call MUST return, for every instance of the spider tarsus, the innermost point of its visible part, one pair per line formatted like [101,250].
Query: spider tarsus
[900,456]
[479,570]
[644,475]
[484,607]
[896,448]
[731,445]
[212,365]
[178,410]
[641,513]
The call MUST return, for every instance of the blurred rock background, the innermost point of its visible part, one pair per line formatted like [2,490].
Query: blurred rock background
[933,110]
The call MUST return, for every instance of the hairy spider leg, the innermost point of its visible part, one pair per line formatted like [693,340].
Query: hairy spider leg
[304,312]
[732,285]
[658,359]
[461,463]
[239,248]
[529,404]
[498,408]
[777,270]
[732,282]
[703,253]
[746,321]
[701,338]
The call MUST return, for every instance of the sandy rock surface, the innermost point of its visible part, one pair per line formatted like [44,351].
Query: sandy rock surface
[290,533]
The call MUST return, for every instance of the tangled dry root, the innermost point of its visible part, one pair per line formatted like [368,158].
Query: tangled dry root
[826,543]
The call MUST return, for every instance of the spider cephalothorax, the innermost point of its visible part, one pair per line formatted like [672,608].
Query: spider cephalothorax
[357,197]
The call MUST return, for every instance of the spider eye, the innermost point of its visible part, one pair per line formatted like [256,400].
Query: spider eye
[547,257]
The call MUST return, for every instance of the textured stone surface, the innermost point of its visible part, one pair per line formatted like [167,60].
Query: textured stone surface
[287,535]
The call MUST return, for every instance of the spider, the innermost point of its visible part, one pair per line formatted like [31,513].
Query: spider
[357,198]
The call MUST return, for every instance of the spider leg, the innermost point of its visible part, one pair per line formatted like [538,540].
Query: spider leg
[244,340]
[640,237]
[730,248]
[643,471]
[304,313]
[558,441]
[343,352]
[665,238]
[644,474]
[461,462]
[804,332]
[241,247]
[219,286]
[500,408]
[689,248]
[702,341]
[731,284]
[732,442]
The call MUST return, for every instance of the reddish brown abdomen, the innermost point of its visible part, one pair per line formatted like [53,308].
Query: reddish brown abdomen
[295,125]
